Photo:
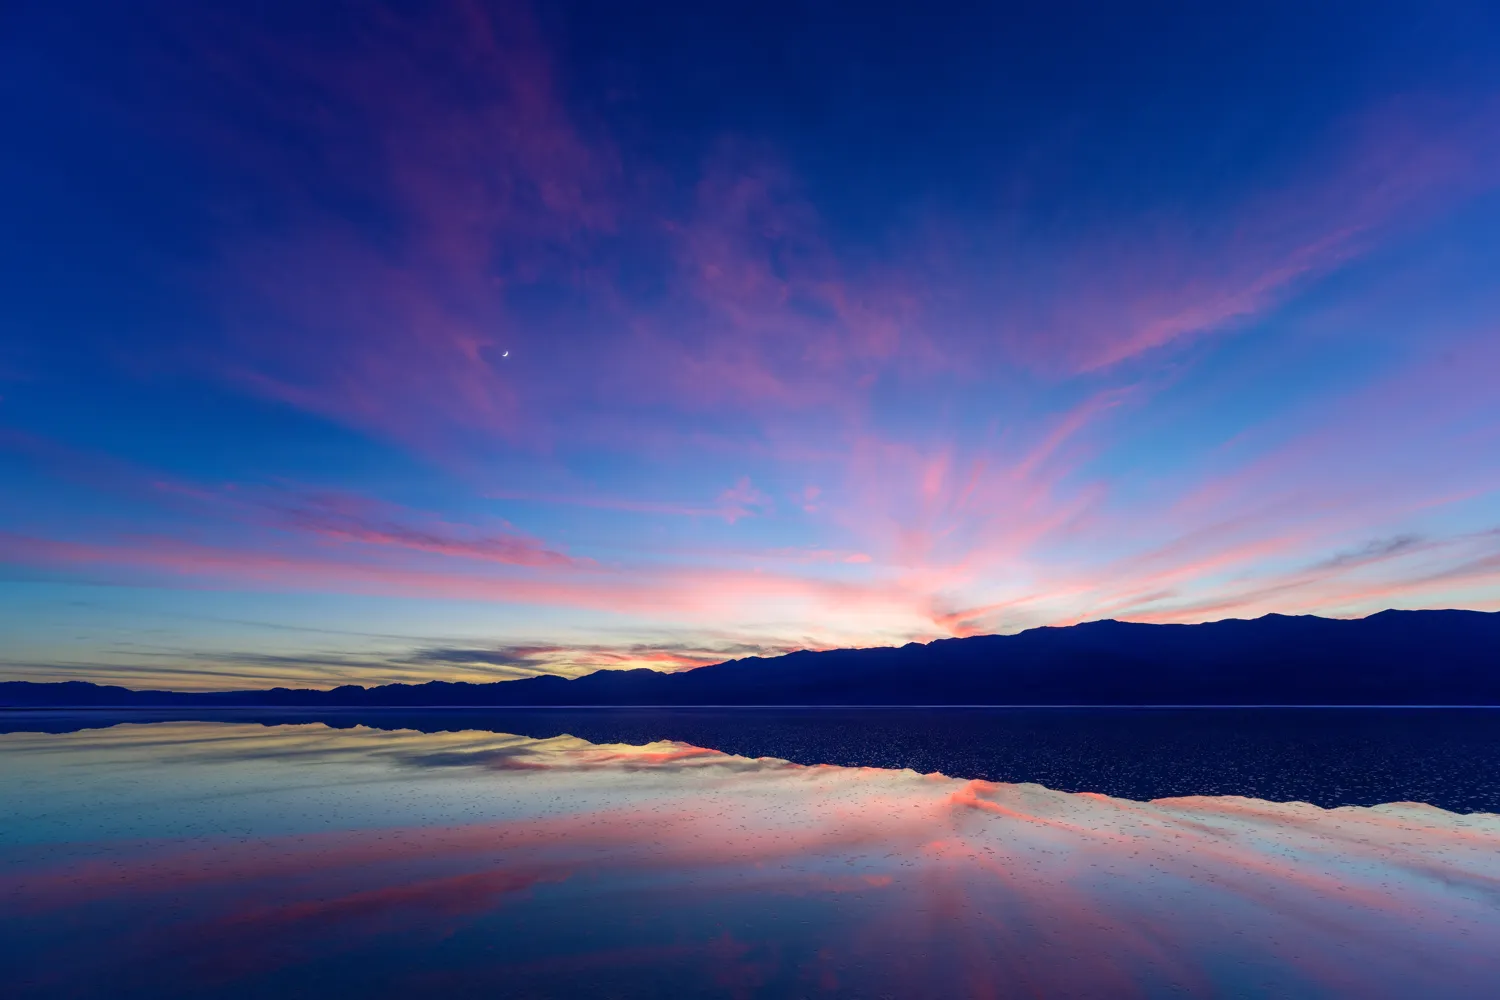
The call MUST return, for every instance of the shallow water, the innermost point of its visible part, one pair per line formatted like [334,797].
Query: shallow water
[234,859]
[1330,757]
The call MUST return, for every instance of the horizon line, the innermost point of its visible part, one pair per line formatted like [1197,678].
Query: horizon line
[739,659]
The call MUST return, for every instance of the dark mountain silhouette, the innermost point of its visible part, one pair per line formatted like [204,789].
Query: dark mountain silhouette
[1391,658]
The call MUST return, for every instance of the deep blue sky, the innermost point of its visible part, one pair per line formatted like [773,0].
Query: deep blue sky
[377,341]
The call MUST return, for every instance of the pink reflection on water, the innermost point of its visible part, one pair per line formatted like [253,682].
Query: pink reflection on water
[673,867]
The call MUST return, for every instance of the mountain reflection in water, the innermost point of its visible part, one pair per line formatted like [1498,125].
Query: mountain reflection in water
[1446,757]
[197,859]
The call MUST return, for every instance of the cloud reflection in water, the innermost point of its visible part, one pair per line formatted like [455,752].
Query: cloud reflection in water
[559,867]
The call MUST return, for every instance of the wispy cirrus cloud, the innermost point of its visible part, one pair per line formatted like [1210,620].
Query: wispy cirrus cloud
[350,518]
[707,379]
[452,130]
[761,313]
[579,658]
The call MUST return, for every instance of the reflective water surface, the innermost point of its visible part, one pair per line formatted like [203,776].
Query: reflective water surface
[187,858]
[1446,757]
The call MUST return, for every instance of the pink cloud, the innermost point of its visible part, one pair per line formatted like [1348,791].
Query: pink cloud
[759,321]
[1104,289]
[450,123]
[779,321]
[687,594]
[928,538]
[351,518]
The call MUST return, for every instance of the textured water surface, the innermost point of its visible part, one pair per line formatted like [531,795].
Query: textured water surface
[238,860]
[1327,756]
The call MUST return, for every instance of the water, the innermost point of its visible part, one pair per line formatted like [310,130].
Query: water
[1449,758]
[493,856]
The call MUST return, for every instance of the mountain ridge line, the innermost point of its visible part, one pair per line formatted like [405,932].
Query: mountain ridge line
[1449,657]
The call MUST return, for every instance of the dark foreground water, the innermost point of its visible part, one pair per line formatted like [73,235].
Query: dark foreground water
[455,855]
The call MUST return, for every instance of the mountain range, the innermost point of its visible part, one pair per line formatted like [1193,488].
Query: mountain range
[1390,658]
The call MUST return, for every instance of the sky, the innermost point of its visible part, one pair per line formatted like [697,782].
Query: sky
[363,342]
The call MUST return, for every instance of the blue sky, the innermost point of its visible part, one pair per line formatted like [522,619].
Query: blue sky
[466,340]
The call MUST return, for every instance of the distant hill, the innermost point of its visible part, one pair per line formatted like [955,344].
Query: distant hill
[1390,658]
